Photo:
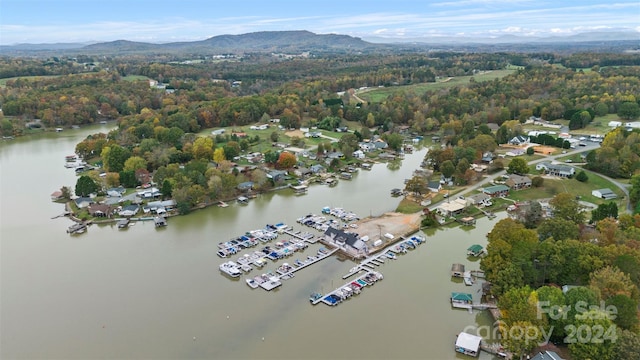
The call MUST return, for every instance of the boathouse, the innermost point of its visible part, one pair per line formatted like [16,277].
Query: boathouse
[469,221]
[457,270]
[463,299]
[475,250]
[468,344]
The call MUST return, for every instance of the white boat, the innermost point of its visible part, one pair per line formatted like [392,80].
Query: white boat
[230,268]
[252,283]
[391,255]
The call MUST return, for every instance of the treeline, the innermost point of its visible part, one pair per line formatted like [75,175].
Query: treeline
[599,265]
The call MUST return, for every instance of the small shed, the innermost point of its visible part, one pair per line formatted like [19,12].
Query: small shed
[457,270]
[468,344]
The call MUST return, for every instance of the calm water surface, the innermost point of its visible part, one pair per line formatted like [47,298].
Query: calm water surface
[147,293]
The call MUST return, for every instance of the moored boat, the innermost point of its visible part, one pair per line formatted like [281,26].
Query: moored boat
[230,268]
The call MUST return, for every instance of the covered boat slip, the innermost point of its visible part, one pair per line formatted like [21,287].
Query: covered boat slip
[300,189]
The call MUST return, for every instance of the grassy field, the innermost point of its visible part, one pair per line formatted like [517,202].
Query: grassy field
[380,94]
[134,77]
[3,82]
[573,186]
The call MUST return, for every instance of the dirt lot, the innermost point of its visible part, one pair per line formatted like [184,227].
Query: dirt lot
[293,133]
[393,223]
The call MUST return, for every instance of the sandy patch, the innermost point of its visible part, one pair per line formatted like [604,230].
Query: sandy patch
[293,133]
[393,223]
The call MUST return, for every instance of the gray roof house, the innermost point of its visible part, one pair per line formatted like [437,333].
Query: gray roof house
[346,240]
[434,186]
[547,355]
[519,140]
[83,202]
[556,169]
[481,199]
[317,168]
[129,210]
[245,186]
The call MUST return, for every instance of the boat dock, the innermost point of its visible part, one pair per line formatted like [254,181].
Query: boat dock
[371,262]
[308,262]
[348,289]
[495,349]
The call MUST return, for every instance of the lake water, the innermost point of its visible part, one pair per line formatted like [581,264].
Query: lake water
[157,293]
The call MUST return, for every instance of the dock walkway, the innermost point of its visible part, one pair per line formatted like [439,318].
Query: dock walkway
[289,274]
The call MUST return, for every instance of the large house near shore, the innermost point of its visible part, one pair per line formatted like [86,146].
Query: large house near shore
[517,182]
[347,241]
[560,170]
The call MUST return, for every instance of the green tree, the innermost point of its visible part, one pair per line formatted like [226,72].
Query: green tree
[537,181]
[629,110]
[167,188]
[6,127]
[203,148]
[604,211]
[533,215]
[582,176]
[627,345]
[447,168]
[231,150]
[518,166]
[634,192]
[128,178]
[566,206]
[274,136]
[610,281]
[66,192]
[416,185]
[584,341]
[626,316]
[113,157]
[558,229]
[135,163]
[394,141]
[530,151]
[85,186]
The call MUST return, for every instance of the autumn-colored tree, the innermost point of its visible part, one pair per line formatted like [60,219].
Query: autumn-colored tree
[203,148]
[135,163]
[610,281]
[286,160]
[218,155]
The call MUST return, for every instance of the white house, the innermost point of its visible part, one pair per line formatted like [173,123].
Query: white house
[556,169]
[614,124]
[358,154]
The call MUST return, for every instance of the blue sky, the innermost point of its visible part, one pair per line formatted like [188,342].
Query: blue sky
[48,21]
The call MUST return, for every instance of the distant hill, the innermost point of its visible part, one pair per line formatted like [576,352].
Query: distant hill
[264,41]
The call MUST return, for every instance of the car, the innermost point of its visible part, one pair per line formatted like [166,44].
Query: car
[569,161]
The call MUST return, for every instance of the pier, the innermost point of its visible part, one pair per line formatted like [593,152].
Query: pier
[289,274]
[348,289]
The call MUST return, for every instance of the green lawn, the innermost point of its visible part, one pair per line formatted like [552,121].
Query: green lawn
[134,77]
[573,186]
[381,94]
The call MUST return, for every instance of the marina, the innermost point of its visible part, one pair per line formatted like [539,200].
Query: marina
[348,289]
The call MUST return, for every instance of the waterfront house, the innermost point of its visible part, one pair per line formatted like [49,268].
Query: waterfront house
[496,191]
[560,170]
[129,210]
[245,186]
[517,182]
[358,154]
[277,175]
[99,210]
[468,344]
[479,200]
[347,241]
[317,169]
[160,207]
[453,208]
[457,270]
[83,202]
[366,146]
[606,194]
